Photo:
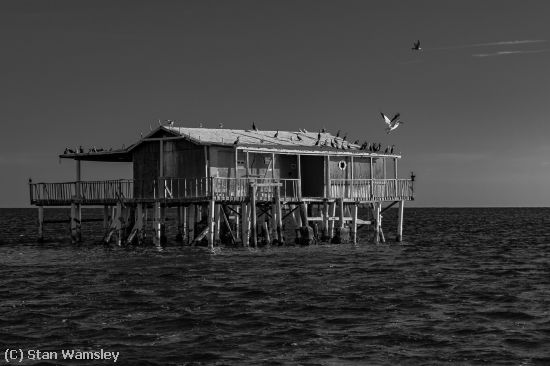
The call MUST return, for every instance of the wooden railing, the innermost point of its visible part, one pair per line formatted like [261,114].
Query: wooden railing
[86,192]
[222,189]
[226,189]
[372,189]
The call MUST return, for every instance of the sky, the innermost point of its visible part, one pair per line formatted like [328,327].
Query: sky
[475,99]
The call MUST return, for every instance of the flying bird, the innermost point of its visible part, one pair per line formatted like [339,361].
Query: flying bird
[416,46]
[392,123]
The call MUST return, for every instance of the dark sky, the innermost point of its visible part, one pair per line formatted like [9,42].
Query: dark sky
[475,100]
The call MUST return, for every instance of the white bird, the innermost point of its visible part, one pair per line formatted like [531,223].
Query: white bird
[392,123]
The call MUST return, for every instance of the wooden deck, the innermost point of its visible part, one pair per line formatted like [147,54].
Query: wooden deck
[181,190]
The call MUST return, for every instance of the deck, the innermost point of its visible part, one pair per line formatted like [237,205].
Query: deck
[180,190]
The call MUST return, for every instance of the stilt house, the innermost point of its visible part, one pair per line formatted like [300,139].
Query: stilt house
[237,173]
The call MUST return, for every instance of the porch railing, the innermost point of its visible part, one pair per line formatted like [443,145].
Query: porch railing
[221,188]
[172,189]
[372,189]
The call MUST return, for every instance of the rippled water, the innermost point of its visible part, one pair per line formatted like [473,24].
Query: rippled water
[468,286]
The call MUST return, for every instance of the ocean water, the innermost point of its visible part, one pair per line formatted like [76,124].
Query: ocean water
[466,287]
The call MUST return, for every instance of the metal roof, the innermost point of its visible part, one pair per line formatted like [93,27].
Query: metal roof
[287,141]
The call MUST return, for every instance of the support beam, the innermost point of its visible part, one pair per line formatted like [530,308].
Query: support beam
[217,222]
[400,221]
[190,224]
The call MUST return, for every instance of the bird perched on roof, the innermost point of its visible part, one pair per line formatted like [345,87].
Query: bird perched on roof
[317,142]
[332,143]
[338,133]
[237,140]
[170,123]
[416,46]
[254,126]
[387,151]
[319,136]
[80,150]
[276,134]
[323,130]
[345,137]
[356,142]
[220,125]
[298,137]
[391,149]
[392,123]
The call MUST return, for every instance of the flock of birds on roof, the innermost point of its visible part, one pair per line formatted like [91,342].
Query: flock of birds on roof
[80,150]
[336,142]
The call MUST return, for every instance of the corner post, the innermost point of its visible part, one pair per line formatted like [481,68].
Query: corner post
[400,221]
[279,215]
[355,209]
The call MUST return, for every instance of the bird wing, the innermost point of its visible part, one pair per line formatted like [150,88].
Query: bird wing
[386,119]
[395,117]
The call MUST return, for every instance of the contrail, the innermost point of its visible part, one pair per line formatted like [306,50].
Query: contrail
[501,43]
[503,53]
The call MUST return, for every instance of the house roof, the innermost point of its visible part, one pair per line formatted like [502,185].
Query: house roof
[260,140]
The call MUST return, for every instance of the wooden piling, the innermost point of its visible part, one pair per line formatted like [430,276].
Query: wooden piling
[217,222]
[355,210]
[340,212]
[211,223]
[40,223]
[376,213]
[244,224]
[157,226]
[190,224]
[400,221]
[252,191]
[332,213]
[106,218]
[326,215]
[76,217]
[279,216]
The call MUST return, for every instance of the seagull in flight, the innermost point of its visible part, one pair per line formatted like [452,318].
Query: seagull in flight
[416,46]
[392,123]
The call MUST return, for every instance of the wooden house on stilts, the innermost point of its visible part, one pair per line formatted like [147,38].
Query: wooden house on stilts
[236,187]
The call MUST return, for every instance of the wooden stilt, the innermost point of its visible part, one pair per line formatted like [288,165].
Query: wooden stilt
[76,215]
[162,224]
[326,215]
[244,224]
[118,223]
[341,212]
[355,210]
[157,225]
[400,221]
[137,230]
[217,222]
[303,214]
[179,223]
[190,224]
[266,233]
[279,216]
[211,223]
[332,212]
[40,223]
[225,217]
[253,215]
[273,220]
[237,222]
[376,213]
[297,223]
[106,218]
